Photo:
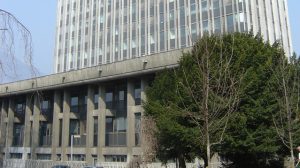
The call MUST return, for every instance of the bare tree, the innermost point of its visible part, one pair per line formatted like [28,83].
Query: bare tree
[149,141]
[213,90]
[287,93]
[147,129]
[14,34]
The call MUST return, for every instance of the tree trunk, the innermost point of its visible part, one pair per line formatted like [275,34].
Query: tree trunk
[206,110]
[288,111]
[181,162]
[208,155]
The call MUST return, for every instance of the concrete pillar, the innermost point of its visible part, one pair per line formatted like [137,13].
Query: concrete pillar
[90,124]
[55,127]
[101,123]
[27,124]
[28,113]
[130,117]
[3,126]
[10,125]
[35,125]
[66,125]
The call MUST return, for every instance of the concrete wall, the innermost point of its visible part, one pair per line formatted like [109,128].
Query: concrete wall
[123,69]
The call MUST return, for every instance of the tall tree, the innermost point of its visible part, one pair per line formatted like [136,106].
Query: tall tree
[198,97]
[219,100]
[251,139]
[13,33]
[287,93]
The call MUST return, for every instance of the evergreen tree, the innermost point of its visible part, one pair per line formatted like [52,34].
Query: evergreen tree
[225,84]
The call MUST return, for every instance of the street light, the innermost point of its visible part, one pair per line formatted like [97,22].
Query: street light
[72,139]
[298,149]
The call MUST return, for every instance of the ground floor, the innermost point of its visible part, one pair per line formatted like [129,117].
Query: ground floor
[91,122]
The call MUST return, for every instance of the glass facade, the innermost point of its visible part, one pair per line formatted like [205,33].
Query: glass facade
[106,31]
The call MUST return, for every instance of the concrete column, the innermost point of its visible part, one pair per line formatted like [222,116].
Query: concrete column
[90,124]
[101,123]
[35,125]
[130,117]
[10,124]
[3,126]
[28,113]
[55,126]
[66,125]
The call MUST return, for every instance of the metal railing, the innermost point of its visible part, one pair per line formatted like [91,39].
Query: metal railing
[115,139]
[79,141]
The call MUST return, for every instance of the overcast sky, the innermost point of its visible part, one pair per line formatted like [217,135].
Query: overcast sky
[39,16]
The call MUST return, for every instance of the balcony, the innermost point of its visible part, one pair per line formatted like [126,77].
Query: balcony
[115,139]
[79,140]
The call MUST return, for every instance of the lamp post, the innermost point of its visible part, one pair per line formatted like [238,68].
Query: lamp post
[72,142]
[298,149]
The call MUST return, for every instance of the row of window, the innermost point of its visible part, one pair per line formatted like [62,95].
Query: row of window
[75,157]
[176,29]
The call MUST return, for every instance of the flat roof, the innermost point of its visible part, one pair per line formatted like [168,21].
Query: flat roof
[131,67]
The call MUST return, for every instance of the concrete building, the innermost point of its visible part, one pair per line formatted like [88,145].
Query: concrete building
[106,54]
[94,32]
[92,113]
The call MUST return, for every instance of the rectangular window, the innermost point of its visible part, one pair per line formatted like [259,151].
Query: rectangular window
[194,32]
[204,10]
[74,104]
[96,100]
[109,99]
[162,41]
[60,133]
[115,131]
[45,134]
[15,155]
[182,37]
[137,93]
[230,23]
[193,13]
[43,156]
[216,7]
[172,38]
[18,135]
[95,131]
[217,25]
[20,108]
[137,128]
[115,158]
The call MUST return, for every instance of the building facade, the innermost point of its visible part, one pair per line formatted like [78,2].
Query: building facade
[107,52]
[95,32]
[90,115]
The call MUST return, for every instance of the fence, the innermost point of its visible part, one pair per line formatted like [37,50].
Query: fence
[18,163]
